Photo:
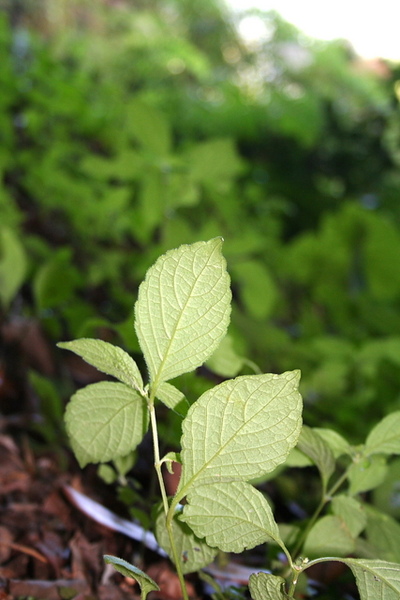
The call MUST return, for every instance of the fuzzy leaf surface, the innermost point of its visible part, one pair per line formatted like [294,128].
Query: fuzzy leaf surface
[264,586]
[385,436]
[183,309]
[145,582]
[335,441]
[105,420]
[376,578]
[241,429]
[108,359]
[231,516]
[383,533]
[194,553]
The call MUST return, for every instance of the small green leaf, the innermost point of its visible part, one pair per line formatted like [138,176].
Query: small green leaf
[232,516]
[385,436]
[264,586]
[105,420]
[149,127]
[241,429]
[335,441]
[376,578]
[366,473]
[173,398]
[169,459]
[351,512]
[145,582]
[225,361]
[13,265]
[256,287]
[183,309]
[313,446]
[194,554]
[329,537]
[383,533]
[107,358]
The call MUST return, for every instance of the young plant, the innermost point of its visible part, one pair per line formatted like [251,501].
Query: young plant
[233,434]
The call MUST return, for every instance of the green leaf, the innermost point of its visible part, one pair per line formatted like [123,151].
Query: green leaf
[56,281]
[241,429]
[183,309]
[173,398]
[105,420]
[313,446]
[366,473]
[13,265]
[214,161]
[329,537]
[383,533]
[335,441]
[385,436]
[107,358]
[145,582]
[351,512]
[149,127]
[376,578]
[256,287]
[225,361]
[264,586]
[233,515]
[194,554]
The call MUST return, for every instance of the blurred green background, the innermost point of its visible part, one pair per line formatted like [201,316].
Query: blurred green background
[128,127]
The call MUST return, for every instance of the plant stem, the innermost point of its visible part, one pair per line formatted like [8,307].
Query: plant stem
[169,511]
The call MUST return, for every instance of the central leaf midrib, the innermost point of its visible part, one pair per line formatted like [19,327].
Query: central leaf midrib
[161,367]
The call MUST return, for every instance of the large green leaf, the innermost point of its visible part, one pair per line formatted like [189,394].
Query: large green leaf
[385,436]
[145,582]
[105,420]
[264,586]
[194,554]
[241,429]
[13,265]
[335,441]
[231,516]
[376,578]
[107,358]
[183,309]
[313,446]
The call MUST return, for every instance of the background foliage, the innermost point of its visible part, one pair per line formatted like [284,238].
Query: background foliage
[134,127]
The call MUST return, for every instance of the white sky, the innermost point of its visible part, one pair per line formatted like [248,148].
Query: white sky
[373,28]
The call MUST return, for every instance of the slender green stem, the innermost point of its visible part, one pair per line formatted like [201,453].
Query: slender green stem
[326,497]
[169,510]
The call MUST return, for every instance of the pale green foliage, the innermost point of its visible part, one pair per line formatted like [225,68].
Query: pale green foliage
[183,309]
[241,429]
[172,398]
[107,358]
[231,515]
[13,265]
[234,434]
[376,578]
[146,584]
[315,447]
[105,420]
[351,512]
[385,436]
[329,536]
[264,586]
[193,552]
